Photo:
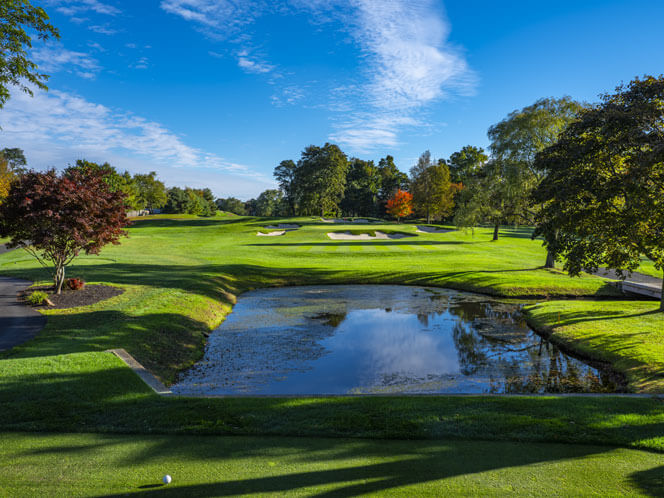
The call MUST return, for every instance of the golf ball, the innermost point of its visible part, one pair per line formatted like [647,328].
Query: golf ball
[167,479]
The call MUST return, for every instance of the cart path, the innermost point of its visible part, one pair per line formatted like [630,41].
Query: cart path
[18,322]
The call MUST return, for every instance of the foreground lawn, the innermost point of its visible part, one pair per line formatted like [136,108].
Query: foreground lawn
[96,392]
[103,465]
[627,334]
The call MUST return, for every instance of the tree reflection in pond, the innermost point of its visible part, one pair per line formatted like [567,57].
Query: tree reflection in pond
[381,339]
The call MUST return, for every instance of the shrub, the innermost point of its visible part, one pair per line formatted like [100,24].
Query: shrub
[75,283]
[37,298]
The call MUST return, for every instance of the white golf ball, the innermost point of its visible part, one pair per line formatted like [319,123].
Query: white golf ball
[167,479]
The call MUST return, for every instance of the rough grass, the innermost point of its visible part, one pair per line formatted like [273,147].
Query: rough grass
[627,334]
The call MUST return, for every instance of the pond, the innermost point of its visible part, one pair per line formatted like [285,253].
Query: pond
[381,339]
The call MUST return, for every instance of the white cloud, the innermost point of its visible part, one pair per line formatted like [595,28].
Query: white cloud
[57,128]
[73,7]
[408,63]
[252,64]
[216,18]
[288,95]
[103,29]
[55,58]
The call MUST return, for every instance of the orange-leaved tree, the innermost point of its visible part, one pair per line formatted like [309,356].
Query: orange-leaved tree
[400,204]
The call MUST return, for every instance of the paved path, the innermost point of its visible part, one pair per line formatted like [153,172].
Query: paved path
[18,322]
[643,284]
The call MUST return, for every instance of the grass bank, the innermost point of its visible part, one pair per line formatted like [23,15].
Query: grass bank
[627,334]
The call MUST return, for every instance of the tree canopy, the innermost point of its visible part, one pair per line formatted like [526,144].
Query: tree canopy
[433,192]
[603,196]
[55,217]
[18,19]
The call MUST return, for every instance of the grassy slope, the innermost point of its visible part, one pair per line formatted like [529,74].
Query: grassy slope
[96,465]
[181,277]
[628,334]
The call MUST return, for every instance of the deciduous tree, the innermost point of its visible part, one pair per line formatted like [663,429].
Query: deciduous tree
[18,21]
[55,218]
[400,204]
[603,196]
[433,192]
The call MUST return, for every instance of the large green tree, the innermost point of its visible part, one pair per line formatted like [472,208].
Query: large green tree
[321,179]
[151,192]
[18,21]
[432,190]
[286,177]
[269,203]
[467,163]
[603,196]
[391,181]
[362,188]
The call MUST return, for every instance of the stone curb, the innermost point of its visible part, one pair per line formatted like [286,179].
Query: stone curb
[141,371]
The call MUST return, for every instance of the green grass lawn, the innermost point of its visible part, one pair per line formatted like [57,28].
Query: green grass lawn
[182,275]
[109,465]
[627,334]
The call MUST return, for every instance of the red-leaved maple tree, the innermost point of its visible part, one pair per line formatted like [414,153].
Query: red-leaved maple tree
[400,204]
[55,217]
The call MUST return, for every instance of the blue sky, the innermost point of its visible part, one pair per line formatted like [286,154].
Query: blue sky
[215,93]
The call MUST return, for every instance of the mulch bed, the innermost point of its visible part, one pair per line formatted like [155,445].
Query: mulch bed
[90,294]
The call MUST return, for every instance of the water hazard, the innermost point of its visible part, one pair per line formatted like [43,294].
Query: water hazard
[371,339]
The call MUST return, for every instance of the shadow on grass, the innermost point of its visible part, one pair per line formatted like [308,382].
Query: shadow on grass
[113,399]
[566,318]
[381,242]
[185,223]
[650,482]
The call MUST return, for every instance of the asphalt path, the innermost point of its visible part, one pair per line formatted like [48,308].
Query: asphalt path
[18,322]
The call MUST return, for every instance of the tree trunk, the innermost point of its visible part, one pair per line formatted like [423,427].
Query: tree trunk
[550,260]
[59,279]
[496,227]
[661,300]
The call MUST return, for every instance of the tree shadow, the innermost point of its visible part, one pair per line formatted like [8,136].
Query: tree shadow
[350,243]
[650,482]
[185,223]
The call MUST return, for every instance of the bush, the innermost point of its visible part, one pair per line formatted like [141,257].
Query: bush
[37,298]
[75,283]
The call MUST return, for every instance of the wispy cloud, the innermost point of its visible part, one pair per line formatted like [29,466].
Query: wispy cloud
[61,125]
[216,18]
[288,95]
[55,58]
[251,63]
[104,29]
[73,7]
[408,62]
[408,65]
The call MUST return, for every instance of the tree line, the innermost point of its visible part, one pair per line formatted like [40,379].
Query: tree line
[141,191]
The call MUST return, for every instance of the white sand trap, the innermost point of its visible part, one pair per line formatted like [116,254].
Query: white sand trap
[423,229]
[287,226]
[365,236]
[271,234]
[334,220]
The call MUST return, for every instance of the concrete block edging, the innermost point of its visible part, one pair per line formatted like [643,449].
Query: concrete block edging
[141,371]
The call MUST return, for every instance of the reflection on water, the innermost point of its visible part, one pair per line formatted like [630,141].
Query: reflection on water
[381,339]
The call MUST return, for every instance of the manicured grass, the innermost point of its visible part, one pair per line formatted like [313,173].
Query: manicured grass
[106,465]
[627,334]
[95,392]
[182,276]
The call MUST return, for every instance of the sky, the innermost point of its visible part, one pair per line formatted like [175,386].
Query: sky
[215,93]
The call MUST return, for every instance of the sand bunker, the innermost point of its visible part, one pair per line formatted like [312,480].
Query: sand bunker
[366,236]
[334,220]
[271,234]
[288,226]
[425,229]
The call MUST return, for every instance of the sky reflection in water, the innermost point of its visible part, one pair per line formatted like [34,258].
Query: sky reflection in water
[355,339]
